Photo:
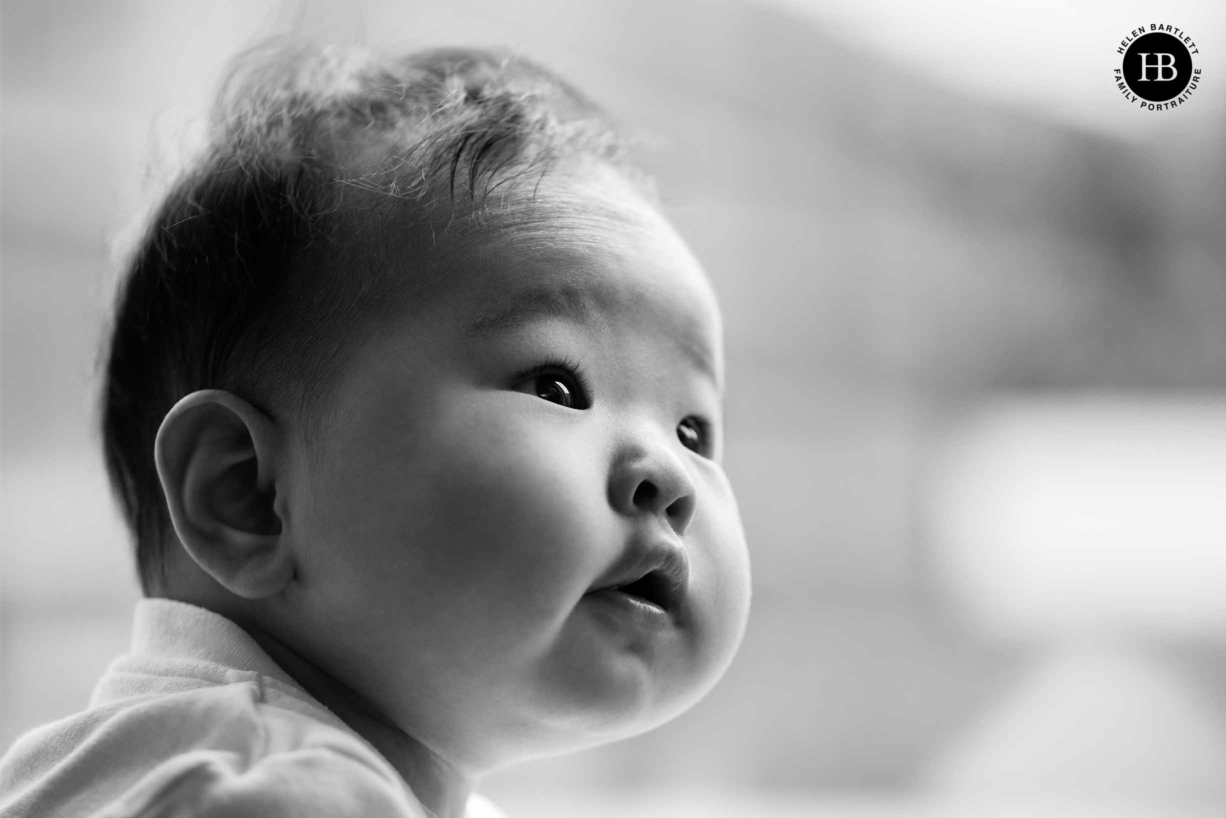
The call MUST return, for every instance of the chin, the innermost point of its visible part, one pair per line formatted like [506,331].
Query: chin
[594,690]
[622,702]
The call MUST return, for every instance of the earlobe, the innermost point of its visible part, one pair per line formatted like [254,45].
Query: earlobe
[220,463]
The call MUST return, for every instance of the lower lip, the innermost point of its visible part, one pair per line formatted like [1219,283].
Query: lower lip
[631,608]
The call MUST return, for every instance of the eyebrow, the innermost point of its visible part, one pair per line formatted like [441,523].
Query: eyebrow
[568,303]
[530,305]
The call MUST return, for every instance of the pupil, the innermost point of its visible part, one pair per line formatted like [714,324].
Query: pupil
[688,435]
[556,392]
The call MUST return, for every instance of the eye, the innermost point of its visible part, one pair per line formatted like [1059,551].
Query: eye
[693,434]
[557,382]
[554,389]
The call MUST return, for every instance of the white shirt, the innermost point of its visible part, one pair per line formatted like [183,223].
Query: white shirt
[199,721]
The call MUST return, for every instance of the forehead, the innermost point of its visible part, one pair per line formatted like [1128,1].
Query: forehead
[594,251]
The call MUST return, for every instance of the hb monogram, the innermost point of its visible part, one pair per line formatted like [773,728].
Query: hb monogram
[1161,66]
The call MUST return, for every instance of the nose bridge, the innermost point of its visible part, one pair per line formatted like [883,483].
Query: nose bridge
[650,477]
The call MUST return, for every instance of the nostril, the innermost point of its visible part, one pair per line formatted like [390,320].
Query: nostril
[679,512]
[645,494]
[648,497]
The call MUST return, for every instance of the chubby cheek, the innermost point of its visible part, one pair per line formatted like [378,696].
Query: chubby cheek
[721,578]
[481,530]
[518,517]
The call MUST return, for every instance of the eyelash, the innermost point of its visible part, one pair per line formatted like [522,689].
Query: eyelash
[571,368]
[567,366]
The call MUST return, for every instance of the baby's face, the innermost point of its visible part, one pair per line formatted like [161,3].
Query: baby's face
[545,432]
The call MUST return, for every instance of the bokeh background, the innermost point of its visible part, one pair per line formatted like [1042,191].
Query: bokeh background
[976,324]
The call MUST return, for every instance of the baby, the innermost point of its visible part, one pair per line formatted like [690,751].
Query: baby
[413,406]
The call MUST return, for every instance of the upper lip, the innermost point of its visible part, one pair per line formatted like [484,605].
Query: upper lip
[657,571]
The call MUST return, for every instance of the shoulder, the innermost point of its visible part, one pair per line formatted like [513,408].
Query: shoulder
[229,750]
[310,781]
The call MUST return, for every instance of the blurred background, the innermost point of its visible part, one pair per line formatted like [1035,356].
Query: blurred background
[976,326]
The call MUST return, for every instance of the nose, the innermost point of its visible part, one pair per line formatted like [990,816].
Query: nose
[651,479]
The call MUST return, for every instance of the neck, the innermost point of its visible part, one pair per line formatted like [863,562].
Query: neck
[440,786]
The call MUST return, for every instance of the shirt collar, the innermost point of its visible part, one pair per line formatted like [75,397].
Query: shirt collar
[173,629]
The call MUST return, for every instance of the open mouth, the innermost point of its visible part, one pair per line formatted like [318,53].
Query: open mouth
[653,576]
[655,588]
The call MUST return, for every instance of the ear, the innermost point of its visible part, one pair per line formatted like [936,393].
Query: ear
[218,458]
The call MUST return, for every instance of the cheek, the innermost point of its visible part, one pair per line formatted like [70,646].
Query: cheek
[494,513]
[517,510]
[721,572]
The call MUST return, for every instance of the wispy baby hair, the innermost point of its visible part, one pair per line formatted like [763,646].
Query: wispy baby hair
[267,257]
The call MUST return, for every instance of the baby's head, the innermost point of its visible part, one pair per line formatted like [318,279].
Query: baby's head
[411,378]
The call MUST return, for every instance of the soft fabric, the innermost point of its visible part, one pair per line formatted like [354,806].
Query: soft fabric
[198,721]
